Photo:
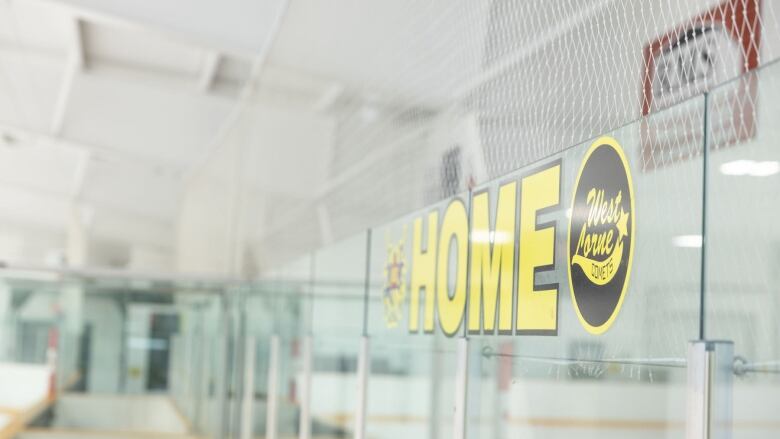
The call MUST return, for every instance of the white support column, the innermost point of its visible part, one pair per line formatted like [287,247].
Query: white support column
[363,370]
[273,396]
[247,405]
[304,426]
[710,377]
[7,332]
[435,379]
[222,385]
[326,229]
[71,298]
[461,386]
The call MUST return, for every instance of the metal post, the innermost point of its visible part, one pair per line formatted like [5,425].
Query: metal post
[223,371]
[273,397]
[304,426]
[461,385]
[364,355]
[435,389]
[247,405]
[363,370]
[199,383]
[710,377]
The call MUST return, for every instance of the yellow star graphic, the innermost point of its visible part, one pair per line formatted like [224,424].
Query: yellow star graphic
[622,224]
[395,275]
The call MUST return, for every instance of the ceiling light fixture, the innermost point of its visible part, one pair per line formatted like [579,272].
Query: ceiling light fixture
[750,168]
[492,237]
[687,241]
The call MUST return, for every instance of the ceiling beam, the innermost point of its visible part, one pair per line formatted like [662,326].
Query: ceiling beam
[94,15]
[126,157]
[243,99]
[328,97]
[208,72]
[76,64]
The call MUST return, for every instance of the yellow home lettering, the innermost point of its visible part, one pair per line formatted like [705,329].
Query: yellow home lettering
[487,265]
[537,306]
[423,273]
[454,229]
[473,269]
[491,271]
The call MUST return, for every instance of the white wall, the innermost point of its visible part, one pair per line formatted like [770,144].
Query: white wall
[106,320]
[26,244]
[223,208]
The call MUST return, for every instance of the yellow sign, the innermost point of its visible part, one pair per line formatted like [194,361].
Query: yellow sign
[489,262]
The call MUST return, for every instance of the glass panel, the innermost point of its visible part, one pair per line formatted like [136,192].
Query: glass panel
[411,385]
[612,367]
[338,293]
[112,346]
[742,242]
[278,306]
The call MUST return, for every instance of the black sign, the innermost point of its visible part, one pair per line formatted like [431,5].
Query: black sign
[601,235]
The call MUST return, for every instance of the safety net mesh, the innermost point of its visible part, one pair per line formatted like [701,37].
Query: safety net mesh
[431,98]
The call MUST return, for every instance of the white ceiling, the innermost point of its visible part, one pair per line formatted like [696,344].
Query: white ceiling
[119,103]
[383,47]
[242,26]
[107,111]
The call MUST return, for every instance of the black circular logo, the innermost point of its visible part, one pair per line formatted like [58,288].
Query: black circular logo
[601,235]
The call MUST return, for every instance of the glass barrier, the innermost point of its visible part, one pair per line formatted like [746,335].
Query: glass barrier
[152,338]
[601,374]
[275,316]
[412,363]
[741,242]
[336,326]
[93,355]
[560,298]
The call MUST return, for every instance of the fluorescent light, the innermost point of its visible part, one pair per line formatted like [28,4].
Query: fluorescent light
[765,169]
[687,241]
[491,236]
[750,168]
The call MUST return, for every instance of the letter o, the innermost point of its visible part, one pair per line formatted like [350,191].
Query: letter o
[454,227]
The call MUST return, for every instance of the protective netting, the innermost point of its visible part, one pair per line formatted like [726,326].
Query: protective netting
[434,97]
